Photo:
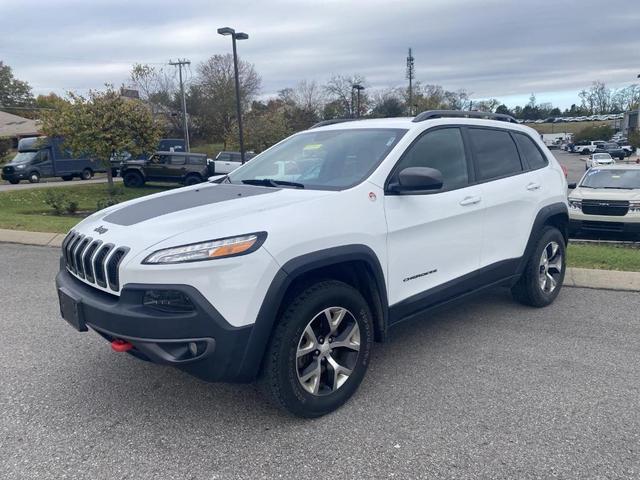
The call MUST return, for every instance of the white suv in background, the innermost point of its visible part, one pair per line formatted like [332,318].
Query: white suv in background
[288,275]
[599,160]
[607,199]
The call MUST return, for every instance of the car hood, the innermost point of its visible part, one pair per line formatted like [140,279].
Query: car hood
[158,217]
[605,194]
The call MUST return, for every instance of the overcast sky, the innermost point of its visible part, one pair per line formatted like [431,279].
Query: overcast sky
[493,48]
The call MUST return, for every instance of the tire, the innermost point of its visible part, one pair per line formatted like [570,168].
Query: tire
[192,179]
[289,377]
[67,178]
[114,172]
[529,289]
[86,174]
[14,182]
[34,177]
[133,179]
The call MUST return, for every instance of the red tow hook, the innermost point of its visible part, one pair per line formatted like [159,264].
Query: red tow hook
[119,345]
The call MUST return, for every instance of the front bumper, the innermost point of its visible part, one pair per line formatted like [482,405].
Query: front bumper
[162,337]
[14,176]
[608,225]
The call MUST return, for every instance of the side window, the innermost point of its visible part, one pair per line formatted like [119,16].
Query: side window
[496,154]
[442,149]
[225,157]
[196,161]
[530,152]
[177,160]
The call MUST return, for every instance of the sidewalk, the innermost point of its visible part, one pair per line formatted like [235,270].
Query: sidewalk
[575,277]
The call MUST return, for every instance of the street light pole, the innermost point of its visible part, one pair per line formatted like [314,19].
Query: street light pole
[357,87]
[185,123]
[236,36]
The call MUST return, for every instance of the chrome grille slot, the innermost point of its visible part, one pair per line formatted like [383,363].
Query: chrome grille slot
[71,251]
[113,264]
[78,256]
[87,261]
[99,264]
[65,245]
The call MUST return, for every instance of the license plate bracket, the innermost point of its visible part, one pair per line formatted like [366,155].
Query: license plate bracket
[71,309]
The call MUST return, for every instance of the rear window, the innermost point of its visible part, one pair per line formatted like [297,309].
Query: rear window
[495,152]
[530,152]
[177,160]
[196,160]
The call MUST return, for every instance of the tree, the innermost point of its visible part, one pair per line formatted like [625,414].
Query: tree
[388,103]
[302,105]
[216,110]
[264,126]
[594,132]
[339,89]
[13,92]
[486,105]
[103,123]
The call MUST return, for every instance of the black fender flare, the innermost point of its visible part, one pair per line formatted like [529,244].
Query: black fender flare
[132,169]
[542,219]
[284,278]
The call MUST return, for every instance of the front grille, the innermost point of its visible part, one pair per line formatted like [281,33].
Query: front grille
[8,169]
[92,261]
[614,208]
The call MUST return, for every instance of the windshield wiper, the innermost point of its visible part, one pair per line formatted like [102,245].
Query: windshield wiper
[270,182]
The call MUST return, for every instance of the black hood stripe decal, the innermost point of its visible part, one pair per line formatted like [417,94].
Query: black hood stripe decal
[183,200]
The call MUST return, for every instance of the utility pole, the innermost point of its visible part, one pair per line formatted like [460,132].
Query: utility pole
[410,76]
[185,126]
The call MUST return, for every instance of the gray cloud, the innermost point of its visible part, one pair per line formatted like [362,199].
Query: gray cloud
[490,47]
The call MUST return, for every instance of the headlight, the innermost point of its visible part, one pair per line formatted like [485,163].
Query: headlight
[575,204]
[19,167]
[634,207]
[209,250]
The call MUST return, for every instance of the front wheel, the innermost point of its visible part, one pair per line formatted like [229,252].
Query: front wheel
[320,350]
[86,174]
[133,179]
[34,177]
[543,275]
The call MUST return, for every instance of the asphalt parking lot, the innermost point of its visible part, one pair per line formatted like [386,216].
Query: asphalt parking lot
[488,389]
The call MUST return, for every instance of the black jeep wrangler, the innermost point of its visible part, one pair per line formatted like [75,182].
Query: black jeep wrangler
[179,167]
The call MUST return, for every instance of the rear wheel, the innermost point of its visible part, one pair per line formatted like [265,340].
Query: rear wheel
[320,350]
[543,275]
[34,177]
[67,178]
[133,179]
[14,182]
[192,180]
[86,174]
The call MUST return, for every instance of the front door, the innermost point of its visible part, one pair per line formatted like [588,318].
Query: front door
[433,238]
[156,166]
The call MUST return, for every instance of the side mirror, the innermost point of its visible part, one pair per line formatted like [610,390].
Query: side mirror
[571,186]
[417,179]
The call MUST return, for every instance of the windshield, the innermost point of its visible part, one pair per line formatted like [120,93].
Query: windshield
[618,178]
[23,157]
[329,160]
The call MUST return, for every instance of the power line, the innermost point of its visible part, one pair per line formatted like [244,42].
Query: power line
[180,63]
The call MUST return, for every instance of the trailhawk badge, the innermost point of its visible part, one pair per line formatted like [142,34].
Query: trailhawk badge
[101,230]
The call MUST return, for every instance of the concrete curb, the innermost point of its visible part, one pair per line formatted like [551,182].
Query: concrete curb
[575,277]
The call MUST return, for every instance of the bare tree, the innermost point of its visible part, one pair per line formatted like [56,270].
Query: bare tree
[339,89]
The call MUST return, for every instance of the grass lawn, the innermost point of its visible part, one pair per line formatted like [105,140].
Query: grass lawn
[27,210]
[604,257]
[565,127]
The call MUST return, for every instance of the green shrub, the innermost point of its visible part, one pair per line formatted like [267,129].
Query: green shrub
[58,201]
[106,202]
[72,207]
[5,146]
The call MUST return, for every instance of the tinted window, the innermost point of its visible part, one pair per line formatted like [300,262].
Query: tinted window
[196,160]
[442,149]
[225,157]
[530,152]
[177,160]
[496,154]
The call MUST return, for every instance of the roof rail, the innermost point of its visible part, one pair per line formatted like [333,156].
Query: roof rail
[430,114]
[333,121]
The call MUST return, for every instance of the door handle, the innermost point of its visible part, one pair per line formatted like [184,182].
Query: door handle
[533,186]
[470,201]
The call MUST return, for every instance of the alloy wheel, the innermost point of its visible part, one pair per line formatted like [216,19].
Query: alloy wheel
[550,269]
[328,351]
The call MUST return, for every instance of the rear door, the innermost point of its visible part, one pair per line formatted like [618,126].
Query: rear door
[177,168]
[511,196]
[436,237]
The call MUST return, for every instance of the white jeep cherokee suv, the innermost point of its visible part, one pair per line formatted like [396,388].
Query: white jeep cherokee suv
[288,269]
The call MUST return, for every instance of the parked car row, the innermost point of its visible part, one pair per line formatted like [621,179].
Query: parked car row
[590,118]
